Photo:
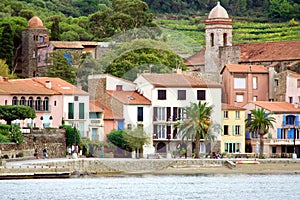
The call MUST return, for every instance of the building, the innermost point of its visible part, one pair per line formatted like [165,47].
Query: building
[169,95]
[33,55]
[281,140]
[219,49]
[245,83]
[122,99]
[96,122]
[233,123]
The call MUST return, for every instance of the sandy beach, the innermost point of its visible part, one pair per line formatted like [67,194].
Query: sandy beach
[262,168]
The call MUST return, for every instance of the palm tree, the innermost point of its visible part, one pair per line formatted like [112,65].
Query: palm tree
[197,123]
[260,122]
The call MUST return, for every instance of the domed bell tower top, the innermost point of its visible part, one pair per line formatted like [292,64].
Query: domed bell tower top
[218,33]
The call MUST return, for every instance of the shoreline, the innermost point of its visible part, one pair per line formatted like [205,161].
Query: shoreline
[115,167]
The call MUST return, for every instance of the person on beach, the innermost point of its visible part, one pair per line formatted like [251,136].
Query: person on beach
[69,152]
[45,153]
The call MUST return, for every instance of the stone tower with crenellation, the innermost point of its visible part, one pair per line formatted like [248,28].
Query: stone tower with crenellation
[35,36]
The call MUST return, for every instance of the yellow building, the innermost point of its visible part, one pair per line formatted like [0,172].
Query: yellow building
[233,123]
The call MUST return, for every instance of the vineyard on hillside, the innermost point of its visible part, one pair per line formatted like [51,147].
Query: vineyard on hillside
[190,33]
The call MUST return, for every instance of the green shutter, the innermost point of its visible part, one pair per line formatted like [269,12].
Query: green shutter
[71,111]
[81,110]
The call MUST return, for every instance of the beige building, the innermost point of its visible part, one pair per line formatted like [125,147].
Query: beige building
[233,136]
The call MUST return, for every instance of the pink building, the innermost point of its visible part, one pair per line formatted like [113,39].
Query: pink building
[245,83]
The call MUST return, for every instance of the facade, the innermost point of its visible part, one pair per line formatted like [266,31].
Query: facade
[245,83]
[75,103]
[124,102]
[281,140]
[169,95]
[96,122]
[233,124]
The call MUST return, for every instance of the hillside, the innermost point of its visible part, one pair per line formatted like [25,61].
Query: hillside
[191,31]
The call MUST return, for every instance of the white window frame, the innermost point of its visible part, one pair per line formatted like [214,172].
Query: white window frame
[161,131]
[161,114]
[239,83]
[239,98]
[254,82]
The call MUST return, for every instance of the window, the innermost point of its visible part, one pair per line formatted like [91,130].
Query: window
[291,99]
[224,39]
[30,102]
[94,134]
[232,147]
[181,94]
[75,98]
[237,130]
[38,103]
[140,114]
[212,40]
[181,114]
[14,101]
[254,98]
[46,104]
[161,131]
[161,94]
[54,103]
[159,114]
[22,101]
[81,110]
[226,114]
[237,114]
[254,82]
[41,39]
[239,98]
[71,111]
[119,87]
[276,82]
[299,99]
[239,83]
[226,130]
[298,83]
[201,95]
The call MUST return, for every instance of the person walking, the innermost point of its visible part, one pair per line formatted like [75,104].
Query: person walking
[36,153]
[45,153]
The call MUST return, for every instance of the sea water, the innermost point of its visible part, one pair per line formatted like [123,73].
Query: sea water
[152,187]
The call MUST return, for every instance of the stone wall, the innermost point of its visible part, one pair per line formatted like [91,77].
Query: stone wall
[53,139]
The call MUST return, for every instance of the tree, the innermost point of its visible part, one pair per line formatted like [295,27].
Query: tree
[197,124]
[13,112]
[135,139]
[6,44]
[62,65]
[127,59]
[4,70]
[260,122]
[70,135]
[116,138]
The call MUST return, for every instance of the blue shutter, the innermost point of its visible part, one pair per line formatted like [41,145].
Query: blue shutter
[290,133]
[278,133]
[247,134]
[297,120]
[120,124]
[284,121]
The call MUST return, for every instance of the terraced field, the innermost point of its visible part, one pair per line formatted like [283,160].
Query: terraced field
[186,36]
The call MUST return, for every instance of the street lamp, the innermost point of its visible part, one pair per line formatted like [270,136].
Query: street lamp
[169,137]
[75,145]
[295,130]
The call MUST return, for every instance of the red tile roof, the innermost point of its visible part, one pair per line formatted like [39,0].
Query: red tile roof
[179,81]
[278,107]
[245,68]
[93,107]
[67,45]
[196,59]
[60,85]
[25,87]
[129,97]
[260,51]
[270,51]
[226,106]
[108,113]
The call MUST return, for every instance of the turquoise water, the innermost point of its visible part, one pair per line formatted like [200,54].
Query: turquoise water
[150,187]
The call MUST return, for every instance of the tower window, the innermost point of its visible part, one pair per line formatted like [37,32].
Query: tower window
[224,39]
[212,40]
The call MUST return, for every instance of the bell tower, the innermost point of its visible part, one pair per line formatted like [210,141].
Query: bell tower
[218,34]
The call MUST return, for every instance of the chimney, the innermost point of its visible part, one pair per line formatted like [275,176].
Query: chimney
[48,84]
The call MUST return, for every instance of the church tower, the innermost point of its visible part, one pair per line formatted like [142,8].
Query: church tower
[34,37]
[218,36]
